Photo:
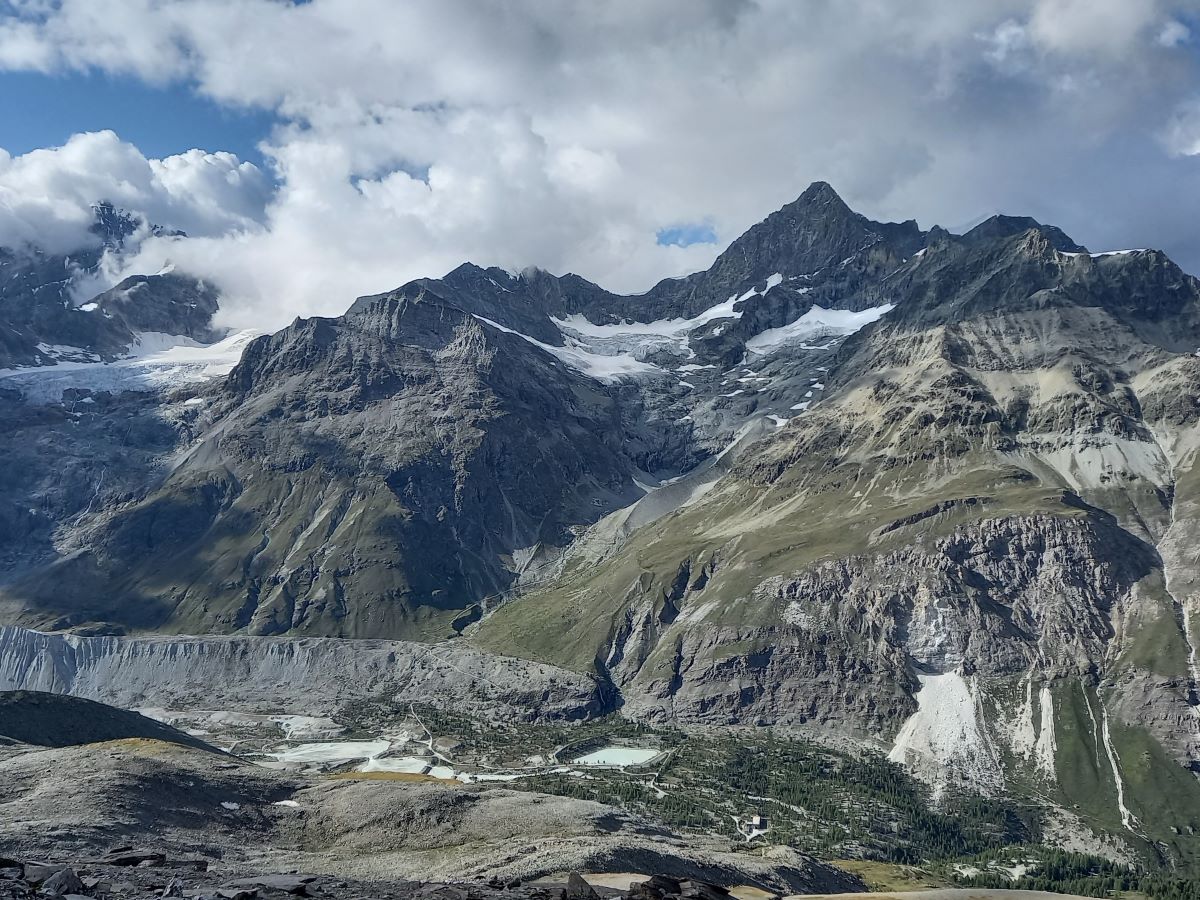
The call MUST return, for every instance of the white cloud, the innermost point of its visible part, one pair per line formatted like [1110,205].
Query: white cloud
[1174,33]
[1009,45]
[1182,135]
[46,195]
[1093,26]
[418,135]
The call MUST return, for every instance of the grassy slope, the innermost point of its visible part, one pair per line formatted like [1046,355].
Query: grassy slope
[817,513]
[1161,794]
[754,532]
[1153,640]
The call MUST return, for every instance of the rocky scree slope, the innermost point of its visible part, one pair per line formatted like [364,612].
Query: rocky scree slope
[257,674]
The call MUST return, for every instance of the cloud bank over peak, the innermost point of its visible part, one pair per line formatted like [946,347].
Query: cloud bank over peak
[413,136]
[46,196]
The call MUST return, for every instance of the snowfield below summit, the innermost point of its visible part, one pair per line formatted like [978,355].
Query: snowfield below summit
[817,323]
[157,362]
[659,334]
[596,365]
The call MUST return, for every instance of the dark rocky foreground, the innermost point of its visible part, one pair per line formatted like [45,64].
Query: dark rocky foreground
[127,872]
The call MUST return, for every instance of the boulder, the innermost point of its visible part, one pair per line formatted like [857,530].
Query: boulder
[63,882]
[579,889]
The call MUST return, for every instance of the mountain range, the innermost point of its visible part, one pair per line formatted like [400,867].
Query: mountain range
[927,492]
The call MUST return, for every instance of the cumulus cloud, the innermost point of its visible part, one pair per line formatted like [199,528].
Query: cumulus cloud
[416,135]
[46,196]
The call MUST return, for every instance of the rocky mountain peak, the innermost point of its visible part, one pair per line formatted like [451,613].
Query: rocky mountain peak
[45,317]
[818,195]
[112,225]
[167,303]
[815,231]
[420,314]
[1000,226]
[801,237]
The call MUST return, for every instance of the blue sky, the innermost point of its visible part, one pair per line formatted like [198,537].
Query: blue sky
[687,234]
[39,110]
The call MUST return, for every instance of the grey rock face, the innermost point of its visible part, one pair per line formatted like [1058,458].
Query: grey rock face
[67,460]
[63,882]
[578,889]
[371,475]
[996,598]
[1000,227]
[166,304]
[42,321]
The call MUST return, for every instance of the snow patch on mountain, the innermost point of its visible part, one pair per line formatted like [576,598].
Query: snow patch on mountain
[149,343]
[818,322]
[1128,820]
[1046,746]
[674,328]
[643,338]
[157,362]
[602,367]
[62,353]
[1103,253]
